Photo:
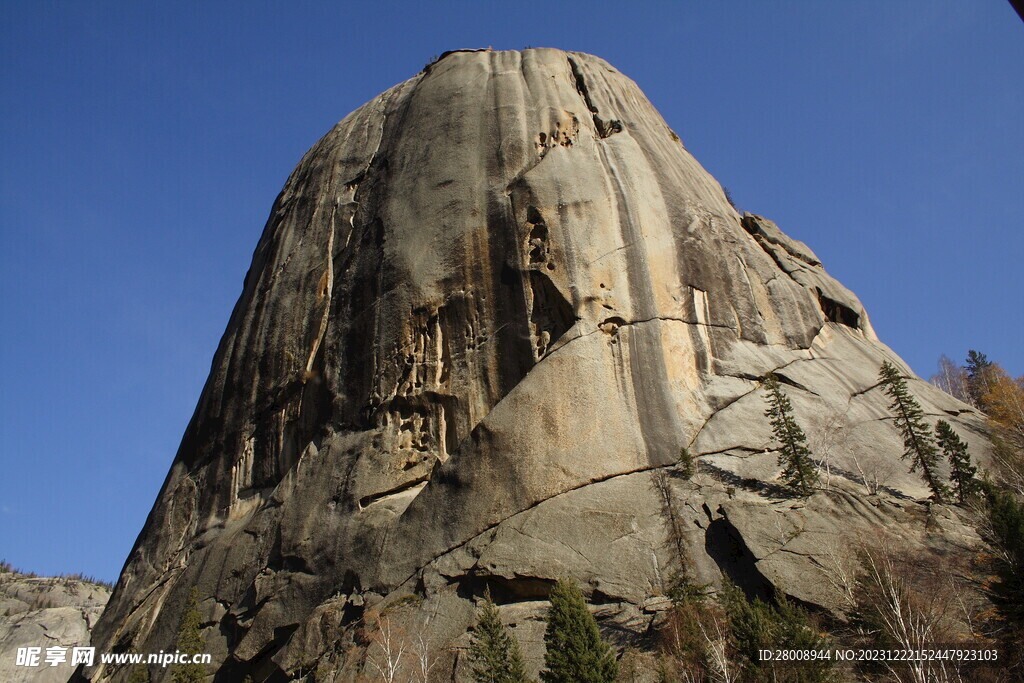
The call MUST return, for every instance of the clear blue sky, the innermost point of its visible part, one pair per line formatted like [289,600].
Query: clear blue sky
[144,142]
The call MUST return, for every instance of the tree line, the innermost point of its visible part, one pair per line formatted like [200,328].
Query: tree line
[923,448]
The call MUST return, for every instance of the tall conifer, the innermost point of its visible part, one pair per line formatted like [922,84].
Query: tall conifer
[493,651]
[190,640]
[799,471]
[978,366]
[918,443]
[961,471]
[575,650]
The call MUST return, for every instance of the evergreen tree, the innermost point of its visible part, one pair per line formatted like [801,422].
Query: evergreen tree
[756,625]
[139,674]
[493,651]
[575,650]
[1006,533]
[978,365]
[686,463]
[799,471]
[918,444]
[190,640]
[961,470]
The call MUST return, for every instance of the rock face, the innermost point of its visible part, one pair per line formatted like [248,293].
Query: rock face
[45,612]
[488,310]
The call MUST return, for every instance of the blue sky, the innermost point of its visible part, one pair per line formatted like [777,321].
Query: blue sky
[143,144]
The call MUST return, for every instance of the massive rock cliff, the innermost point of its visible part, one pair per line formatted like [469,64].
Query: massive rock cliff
[487,312]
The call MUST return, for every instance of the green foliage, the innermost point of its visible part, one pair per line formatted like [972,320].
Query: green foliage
[1006,522]
[918,444]
[978,365]
[750,623]
[139,674]
[799,471]
[575,649]
[962,471]
[757,626]
[686,463]
[728,197]
[682,590]
[493,651]
[190,640]
[687,632]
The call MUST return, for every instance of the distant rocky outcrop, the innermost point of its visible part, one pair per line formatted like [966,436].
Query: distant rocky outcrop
[489,310]
[37,611]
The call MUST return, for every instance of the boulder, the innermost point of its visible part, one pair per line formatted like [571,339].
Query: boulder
[45,612]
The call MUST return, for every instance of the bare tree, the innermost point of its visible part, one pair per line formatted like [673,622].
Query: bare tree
[716,639]
[424,654]
[909,604]
[952,379]
[872,479]
[391,645]
[842,571]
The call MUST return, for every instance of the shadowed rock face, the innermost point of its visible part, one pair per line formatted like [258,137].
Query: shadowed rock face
[488,310]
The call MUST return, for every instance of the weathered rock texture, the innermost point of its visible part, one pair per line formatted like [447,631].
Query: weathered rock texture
[45,612]
[488,310]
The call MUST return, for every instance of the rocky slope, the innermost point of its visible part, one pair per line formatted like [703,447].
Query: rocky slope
[45,612]
[488,310]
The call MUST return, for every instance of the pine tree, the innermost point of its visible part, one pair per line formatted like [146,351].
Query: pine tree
[190,640]
[961,470]
[1006,530]
[686,463]
[575,649]
[799,471]
[978,365]
[493,651]
[756,625]
[918,444]
[138,673]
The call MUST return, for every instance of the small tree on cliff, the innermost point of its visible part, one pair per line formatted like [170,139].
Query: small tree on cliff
[799,471]
[493,651]
[961,470]
[190,640]
[978,367]
[918,444]
[575,649]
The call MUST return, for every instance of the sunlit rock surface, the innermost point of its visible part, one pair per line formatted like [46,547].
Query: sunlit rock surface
[45,612]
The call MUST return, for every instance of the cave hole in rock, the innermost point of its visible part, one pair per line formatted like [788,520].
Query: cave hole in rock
[611,325]
[786,379]
[537,241]
[262,667]
[503,590]
[551,315]
[837,312]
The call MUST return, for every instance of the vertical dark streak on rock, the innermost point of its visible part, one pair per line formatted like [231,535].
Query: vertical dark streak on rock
[513,350]
[658,422]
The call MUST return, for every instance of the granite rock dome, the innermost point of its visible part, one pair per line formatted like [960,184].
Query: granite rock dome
[487,312]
